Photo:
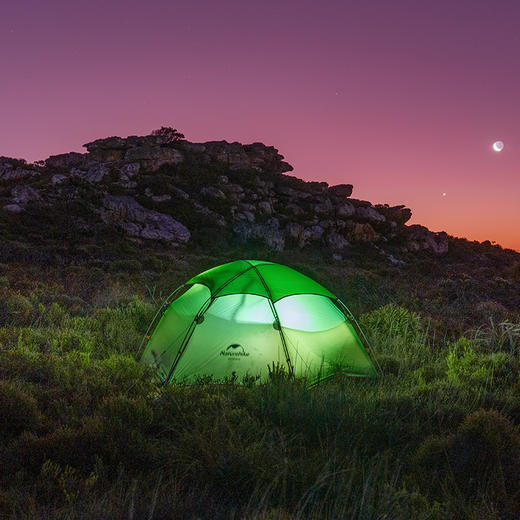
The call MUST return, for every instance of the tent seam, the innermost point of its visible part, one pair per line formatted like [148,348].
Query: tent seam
[276,317]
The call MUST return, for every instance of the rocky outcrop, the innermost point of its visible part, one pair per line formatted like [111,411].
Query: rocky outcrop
[66,161]
[154,189]
[95,173]
[22,194]
[154,151]
[341,191]
[421,238]
[398,214]
[14,170]
[19,197]
[269,232]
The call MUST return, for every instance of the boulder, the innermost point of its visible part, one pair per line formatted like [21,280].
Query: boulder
[137,221]
[96,173]
[161,198]
[246,206]
[152,158]
[198,148]
[326,224]
[316,188]
[398,214]
[266,158]
[9,172]
[421,238]
[13,208]
[265,207]
[66,161]
[129,170]
[23,194]
[310,234]
[289,192]
[293,230]
[109,149]
[335,241]
[108,143]
[269,232]
[323,207]
[181,194]
[211,215]
[341,191]
[370,214]
[58,178]
[345,210]
[213,193]
[363,233]
[234,192]
[293,209]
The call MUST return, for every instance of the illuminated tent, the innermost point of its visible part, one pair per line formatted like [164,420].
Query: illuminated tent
[237,319]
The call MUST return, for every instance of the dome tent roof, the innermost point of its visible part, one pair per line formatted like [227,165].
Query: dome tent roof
[238,318]
[274,281]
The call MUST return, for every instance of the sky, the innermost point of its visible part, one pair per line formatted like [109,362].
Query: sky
[401,98]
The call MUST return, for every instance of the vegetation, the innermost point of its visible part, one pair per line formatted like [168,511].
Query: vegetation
[169,133]
[86,433]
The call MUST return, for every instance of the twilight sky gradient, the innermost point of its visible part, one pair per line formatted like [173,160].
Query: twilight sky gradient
[402,98]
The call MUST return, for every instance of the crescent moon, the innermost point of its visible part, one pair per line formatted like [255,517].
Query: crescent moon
[498,146]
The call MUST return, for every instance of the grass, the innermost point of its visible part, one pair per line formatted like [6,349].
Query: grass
[86,433]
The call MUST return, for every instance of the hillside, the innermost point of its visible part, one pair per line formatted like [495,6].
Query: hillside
[153,201]
[92,244]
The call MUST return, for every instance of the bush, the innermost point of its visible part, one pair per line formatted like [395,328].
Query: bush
[170,134]
[485,454]
[466,367]
[18,309]
[463,364]
[18,411]
[395,331]
[482,458]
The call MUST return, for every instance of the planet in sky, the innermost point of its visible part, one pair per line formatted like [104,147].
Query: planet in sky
[498,146]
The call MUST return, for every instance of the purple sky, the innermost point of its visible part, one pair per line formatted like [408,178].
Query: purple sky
[403,99]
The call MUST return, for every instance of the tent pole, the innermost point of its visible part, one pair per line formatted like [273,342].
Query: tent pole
[191,329]
[290,368]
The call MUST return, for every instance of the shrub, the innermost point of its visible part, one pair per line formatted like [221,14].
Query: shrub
[514,272]
[395,321]
[394,330]
[466,366]
[170,134]
[127,266]
[17,309]
[463,364]
[482,458]
[62,483]
[501,336]
[485,454]
[18,410]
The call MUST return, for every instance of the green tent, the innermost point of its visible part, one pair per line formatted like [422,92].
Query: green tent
[238,318]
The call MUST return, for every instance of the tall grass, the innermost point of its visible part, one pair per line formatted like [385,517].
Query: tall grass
[85,432]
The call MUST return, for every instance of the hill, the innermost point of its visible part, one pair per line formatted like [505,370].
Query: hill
[92,244]
[152,199]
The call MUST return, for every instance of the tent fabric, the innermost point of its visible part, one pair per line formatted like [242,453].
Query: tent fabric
[237,319]
[249,275]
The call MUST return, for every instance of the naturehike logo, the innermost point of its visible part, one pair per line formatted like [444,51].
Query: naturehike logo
[235,351]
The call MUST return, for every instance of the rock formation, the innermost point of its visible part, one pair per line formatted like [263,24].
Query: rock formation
[152,189]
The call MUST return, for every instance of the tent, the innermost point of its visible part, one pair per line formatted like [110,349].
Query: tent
[241,317]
